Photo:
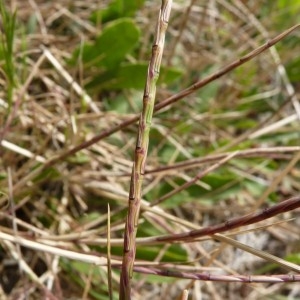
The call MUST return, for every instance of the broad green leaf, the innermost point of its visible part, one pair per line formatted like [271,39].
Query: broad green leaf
[254,188]
[3,175]
[293,68]
[74,268]
[207,93]
[116,9]
[116,40]
[159,279]
[164,188]
[177,200]
[79,158]
[32,24]
[294,257]
[49,173]
[85,268]
[118,104]
[89,217]
[215,181]
[166,153]
[174,254]
[130,76]
[293,4]
[251,70]
[289,138]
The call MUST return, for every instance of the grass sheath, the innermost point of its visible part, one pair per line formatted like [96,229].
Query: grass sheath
[141,149]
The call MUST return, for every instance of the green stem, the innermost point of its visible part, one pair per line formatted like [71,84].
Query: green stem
[141,150]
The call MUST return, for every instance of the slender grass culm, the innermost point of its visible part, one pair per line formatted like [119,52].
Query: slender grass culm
[213,183]
[141,150]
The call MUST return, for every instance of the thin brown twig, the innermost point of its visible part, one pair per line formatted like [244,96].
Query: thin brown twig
[220,278]
[248,219]
[257,152]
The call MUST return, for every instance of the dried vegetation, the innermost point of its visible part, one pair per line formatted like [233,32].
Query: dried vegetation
[222,151]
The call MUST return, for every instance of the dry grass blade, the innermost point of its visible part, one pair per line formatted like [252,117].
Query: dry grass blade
[109,276]
[141,150]
[185,295]
[262,254]
[98,260]
[21,151]
[77,88]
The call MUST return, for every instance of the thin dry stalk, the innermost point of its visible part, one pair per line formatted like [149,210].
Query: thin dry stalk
[289,266]
[220,278]
[258,152]
[185,295]
[140,156]
[248,219]
[88,258]
[109,273]
[74,85]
